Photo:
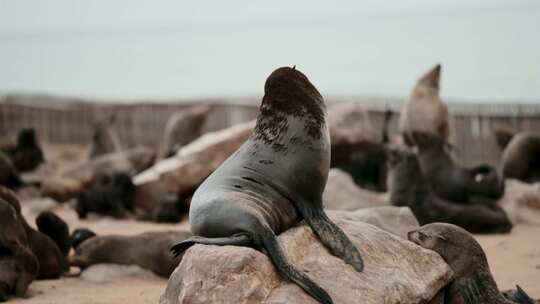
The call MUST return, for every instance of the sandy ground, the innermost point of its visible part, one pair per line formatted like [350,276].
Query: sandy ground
[514,258]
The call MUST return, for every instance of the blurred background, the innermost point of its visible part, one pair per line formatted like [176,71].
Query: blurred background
[142,60]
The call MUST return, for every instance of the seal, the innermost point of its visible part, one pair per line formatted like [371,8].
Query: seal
[52,264]
[27,154]
[408,187]
[9,176]
[148,250]
[274,180]
[520,159]
[480,184]
[424,111]
[54,227]
[182,128]
[18,264]
[80,235]
[114,199]
[473,282]
[105,139]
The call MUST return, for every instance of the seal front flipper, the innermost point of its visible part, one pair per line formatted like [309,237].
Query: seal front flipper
[235,240]
[268,240]
[521,297]
[333,237]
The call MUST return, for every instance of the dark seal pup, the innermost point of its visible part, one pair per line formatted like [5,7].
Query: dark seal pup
[408,187]
[113,199]
[274,180]
[54,227]
[473,282]
[449,181]
[27,154]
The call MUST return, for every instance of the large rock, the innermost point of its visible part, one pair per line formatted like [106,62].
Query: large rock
[191,165]
[521,201]
[396,271]
[341,193]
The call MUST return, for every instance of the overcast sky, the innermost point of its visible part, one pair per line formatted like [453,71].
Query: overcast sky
[489,49]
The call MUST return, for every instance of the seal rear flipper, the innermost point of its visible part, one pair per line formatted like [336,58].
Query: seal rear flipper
[235,240]
[269,242]
[333,237]
[520,296]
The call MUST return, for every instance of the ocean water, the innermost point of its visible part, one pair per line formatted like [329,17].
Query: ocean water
[490,50]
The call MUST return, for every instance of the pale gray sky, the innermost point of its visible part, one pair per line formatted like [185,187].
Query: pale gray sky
[153,49]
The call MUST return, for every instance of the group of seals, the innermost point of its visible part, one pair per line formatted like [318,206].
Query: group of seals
[473,282]
[113,199]
[409,187]
[274,180]
[449,181]
[52,263]
[521,155]
[424,111]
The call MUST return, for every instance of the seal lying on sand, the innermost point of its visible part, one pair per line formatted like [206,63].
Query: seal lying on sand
[480,184]
[424,111]
[27,154]
[521,156]
[473,282]
[149,250]
[274,180]
[18,264]
[54,227]
[113,199]
[408,187]
[52,264]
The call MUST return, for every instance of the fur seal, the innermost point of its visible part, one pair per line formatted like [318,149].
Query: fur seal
[473,282]
[449,181]
[18,264]
[52,264]
[54,227]
[80,235]
[149,250]
[274,180]
[26,154]
[105,139]
[521,156]
[114,199]
[182,128]
[367,165]
[424,111]
[408,187]
[9,176]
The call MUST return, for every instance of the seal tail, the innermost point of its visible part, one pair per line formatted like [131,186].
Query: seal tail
[522,297]
[270,242]
[333,237]
[235,240]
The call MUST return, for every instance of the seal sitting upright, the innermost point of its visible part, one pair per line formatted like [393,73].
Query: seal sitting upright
[274,180]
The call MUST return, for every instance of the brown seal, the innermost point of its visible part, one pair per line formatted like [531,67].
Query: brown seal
[273,181]
[521,156]
[424,111]
[52,264]
[149,250]
[473,282]
[18,264]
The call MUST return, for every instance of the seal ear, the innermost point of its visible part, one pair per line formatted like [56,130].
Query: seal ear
[503,138]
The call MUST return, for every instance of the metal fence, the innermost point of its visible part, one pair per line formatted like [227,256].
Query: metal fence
[65,120]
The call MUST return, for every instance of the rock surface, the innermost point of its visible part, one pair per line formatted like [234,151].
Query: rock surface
[521,201]
[341,193]
[397,271]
